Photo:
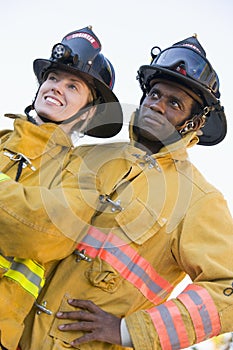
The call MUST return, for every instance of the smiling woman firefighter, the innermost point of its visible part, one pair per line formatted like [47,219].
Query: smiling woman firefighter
[42,212]
[160,220]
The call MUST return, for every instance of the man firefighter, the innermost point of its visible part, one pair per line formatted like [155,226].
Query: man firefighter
[42,212]
[158,220]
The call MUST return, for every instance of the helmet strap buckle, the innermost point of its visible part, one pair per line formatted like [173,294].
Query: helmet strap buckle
[195,123]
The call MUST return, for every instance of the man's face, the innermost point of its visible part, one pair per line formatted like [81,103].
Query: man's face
[61,96]
[165,107]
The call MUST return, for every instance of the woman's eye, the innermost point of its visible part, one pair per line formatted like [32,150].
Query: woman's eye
[72,87]
[52,77]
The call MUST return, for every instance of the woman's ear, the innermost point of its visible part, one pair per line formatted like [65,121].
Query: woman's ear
[89,114]
[81,124]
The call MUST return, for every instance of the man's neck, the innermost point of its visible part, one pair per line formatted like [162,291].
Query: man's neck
[153,147]
[148,146]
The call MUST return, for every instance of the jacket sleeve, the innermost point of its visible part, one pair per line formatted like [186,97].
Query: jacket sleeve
[44,223]
[203,249]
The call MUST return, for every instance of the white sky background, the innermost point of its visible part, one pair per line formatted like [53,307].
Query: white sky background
[128,29]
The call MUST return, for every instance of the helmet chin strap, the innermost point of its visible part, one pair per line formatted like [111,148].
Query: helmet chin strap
[66,121]
[71,119]
[195,123]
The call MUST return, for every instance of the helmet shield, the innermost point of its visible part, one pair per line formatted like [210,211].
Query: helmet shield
[186,64]
[79,51]
[195,66]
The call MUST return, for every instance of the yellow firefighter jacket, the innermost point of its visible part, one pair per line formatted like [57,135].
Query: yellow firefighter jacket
[42,214]
[158,219]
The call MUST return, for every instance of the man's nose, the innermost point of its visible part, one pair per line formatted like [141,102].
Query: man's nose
[158,106]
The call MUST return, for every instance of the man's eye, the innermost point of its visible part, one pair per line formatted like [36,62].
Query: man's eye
[175,104]
[154,94]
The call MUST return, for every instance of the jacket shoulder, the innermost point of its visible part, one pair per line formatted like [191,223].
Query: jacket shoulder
[103,149]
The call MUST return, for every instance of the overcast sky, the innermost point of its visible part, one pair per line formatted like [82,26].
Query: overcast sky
[127,29]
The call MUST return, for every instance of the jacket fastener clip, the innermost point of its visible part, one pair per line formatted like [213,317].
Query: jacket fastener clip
[81,255]
[115,204]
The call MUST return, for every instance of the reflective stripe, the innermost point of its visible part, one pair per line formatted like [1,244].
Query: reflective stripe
[4,262]
[28,273]
[4,177]
[202,310]
[127,262]
[169,325]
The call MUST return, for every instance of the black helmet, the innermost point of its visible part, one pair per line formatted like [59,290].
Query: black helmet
[79,51]
[185,63]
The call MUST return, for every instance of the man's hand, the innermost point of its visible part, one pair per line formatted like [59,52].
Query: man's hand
[93,321]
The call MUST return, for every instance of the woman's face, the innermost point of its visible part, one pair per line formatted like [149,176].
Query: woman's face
[61,96]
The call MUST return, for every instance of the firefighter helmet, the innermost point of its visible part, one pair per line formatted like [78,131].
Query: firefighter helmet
[185,62]
[79,51]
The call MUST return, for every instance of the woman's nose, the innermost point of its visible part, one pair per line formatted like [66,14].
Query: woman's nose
[58,87]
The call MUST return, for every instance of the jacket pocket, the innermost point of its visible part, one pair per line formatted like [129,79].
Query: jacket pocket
[55,333]
[140,222]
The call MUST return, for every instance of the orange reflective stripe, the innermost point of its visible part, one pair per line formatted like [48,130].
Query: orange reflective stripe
[127,262]
[202,310]
[175,336]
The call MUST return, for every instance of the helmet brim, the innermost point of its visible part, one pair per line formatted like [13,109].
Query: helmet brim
[215,128]
[108,119]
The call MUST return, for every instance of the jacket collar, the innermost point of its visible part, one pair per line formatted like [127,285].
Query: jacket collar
[33,140]
[177,150]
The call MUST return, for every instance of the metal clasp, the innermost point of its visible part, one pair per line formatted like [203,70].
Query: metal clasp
[152,162]
[42,308]
[81,255]
[17,157]
[116,205]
